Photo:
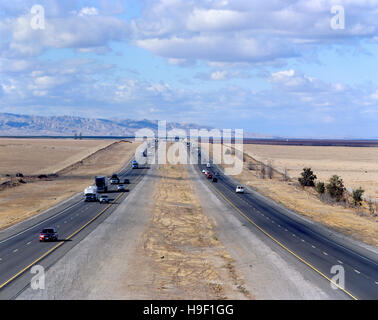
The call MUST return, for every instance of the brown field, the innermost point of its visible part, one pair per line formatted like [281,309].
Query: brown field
[358,167]
[36,156]
[76,171]
[357,223]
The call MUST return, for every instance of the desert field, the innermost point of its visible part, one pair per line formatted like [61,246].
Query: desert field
[358,167]
[41,156]
[76,171]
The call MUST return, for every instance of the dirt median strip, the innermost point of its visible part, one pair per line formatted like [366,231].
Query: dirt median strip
[184,258]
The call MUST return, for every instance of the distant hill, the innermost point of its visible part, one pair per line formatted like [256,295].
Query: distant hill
[26,125]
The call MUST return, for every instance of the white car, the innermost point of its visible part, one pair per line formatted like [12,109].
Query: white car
[239,189]
[208,165]
[121,187]
[203,171]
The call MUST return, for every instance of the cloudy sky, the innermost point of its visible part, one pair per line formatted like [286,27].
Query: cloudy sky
[277,67]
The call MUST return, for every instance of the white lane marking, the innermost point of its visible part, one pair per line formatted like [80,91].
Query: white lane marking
[339,261]
[325,253]
[15,250]
[42,222]
[313,246]
[303,240]
[357,271]
[293,234]
[376,282]
[28,243]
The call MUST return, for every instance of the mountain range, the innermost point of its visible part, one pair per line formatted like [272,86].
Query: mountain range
[30,125]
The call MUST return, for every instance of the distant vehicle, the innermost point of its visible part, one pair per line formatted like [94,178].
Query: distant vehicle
[203,171]
[208,165]
[114,179]
[215,179]
[101,183]
[134,164]
[126,181]
[209,175]
[104,199]
[90,194]
[239,189]
[48,234]
[121,187]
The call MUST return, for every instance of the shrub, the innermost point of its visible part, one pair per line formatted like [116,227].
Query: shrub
[251,166]
[357,196]
[320,187]
[335,187]
[308,178]
[262,171]
[270,170]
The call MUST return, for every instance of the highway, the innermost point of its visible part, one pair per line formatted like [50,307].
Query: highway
[20,248]
[311,244]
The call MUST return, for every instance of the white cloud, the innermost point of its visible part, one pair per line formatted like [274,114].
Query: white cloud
[219,75]
[248,31]
[88,11]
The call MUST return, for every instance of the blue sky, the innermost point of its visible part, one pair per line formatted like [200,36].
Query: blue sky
[270,67]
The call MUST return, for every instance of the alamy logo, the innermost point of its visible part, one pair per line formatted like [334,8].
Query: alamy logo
[38,281]
[338,20]
[178,146]
[37,21]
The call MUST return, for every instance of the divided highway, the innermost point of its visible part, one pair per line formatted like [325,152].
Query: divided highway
[21,249]
[309,243]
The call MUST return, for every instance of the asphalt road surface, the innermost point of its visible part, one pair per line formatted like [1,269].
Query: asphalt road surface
[318,248]
[20,248]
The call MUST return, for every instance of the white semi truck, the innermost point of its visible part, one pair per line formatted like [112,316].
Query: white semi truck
[90,194]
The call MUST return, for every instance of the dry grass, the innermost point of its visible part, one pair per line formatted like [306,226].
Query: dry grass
[185,258]
[37,156]
[356,166]
[346,220]
[26,200]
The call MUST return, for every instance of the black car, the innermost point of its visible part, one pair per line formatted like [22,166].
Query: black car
[126,181]
[48,234]
[215,179]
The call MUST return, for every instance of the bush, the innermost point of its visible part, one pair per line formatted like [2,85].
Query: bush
[335,187]
[320,187]
[308,178]
[251,166]
[357,196]
[262,171]
[270,170]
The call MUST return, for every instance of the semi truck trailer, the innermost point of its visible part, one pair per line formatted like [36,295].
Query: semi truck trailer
[101,183]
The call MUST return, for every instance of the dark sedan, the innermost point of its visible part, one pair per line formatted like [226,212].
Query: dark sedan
[48,234]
